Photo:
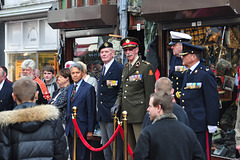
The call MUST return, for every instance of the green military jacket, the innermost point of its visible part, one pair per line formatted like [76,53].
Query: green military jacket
[136,87]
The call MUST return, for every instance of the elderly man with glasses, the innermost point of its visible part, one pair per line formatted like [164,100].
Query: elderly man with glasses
[137,84]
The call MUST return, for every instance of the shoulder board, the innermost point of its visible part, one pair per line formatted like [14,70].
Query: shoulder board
[204,68]
[146,62]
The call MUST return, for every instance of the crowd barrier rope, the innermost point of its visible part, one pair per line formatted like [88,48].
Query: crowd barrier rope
[88,145]
[119,129]
[129,148]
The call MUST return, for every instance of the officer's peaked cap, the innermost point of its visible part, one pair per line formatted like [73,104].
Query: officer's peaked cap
[191,49]
[179,37]
[130,42]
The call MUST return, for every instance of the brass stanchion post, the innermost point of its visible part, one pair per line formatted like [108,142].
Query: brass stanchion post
[115,120]
[74,134]
[125,142]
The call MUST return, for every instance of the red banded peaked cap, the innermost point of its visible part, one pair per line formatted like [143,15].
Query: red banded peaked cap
[130,42]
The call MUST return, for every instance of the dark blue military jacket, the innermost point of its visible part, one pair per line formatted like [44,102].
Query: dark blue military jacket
[108,86]
[176,73]
[200,98]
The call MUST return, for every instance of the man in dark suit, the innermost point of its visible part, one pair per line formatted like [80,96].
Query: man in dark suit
[165,84]
[137,84]
[83,96]
[6,100]
[108,86]
[176,68]
[199,96]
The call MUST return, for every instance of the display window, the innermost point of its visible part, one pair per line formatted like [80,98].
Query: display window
[15,61]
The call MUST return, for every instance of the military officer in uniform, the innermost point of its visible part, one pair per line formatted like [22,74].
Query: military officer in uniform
[199,96]
[176,67]
[108,86]
[137,84]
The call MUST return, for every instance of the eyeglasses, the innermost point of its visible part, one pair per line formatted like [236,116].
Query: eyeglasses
[128,49]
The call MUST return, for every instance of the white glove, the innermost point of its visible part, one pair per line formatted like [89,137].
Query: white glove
[212,129]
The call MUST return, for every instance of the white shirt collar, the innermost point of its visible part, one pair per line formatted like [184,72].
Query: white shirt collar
[108,65]
[134,61]
[1,84]
[194,66]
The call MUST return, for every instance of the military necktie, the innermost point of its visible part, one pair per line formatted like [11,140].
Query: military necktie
[188,72]
[103,71]
[130,66]
[74,92]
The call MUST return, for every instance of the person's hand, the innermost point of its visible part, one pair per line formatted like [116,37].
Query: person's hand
[89,135]
[114,109]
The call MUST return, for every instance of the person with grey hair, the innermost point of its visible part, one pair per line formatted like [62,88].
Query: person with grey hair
[83,96]
[166,138]
[109,83]
[28,67]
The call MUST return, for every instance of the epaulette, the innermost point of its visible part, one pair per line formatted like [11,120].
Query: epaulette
[146,62]
[204,69]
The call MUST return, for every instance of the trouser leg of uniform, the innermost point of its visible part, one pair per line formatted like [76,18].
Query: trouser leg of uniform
[134,131]
[201,136]
[137,128]
[106,132]
[131,139]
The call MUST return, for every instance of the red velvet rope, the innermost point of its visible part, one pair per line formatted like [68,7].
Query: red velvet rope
[88,145]
[128,148]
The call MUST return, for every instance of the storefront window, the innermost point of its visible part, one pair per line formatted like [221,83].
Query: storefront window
[16,59]
[48,58]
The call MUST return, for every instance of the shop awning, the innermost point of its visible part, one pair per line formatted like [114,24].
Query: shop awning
[170,10]
[83,17]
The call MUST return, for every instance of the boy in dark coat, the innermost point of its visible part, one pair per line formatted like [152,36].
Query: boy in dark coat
[30,131]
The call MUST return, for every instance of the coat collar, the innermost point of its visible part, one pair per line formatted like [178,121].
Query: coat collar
[109,71]
[165,116]
[29,114]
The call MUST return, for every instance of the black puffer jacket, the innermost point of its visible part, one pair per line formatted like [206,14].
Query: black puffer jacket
[34,133]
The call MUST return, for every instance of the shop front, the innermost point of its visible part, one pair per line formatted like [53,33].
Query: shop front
[216,26]
[33,39]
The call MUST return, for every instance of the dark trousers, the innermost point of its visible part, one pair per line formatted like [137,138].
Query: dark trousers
[202,138]
[82,152]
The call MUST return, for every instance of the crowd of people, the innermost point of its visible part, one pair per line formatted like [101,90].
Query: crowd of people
[178,113]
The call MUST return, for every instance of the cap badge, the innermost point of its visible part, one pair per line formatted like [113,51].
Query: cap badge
[106,44]
[127,41]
